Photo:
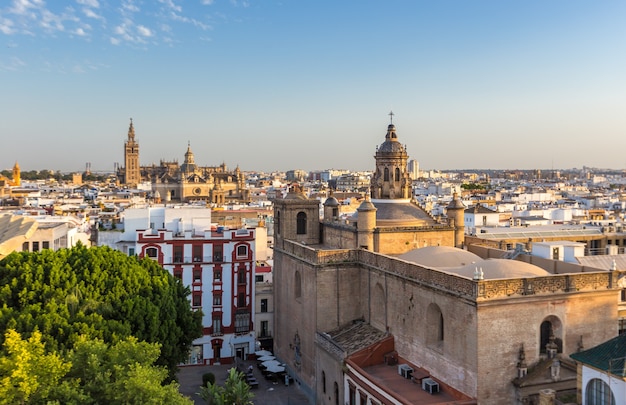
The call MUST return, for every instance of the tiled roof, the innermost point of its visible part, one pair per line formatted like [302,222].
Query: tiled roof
[356,336]
[608,356]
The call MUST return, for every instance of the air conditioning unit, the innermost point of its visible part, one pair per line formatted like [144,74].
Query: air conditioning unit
[405,370]
[429,385]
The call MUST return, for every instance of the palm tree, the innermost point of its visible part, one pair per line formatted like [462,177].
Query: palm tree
[235,391]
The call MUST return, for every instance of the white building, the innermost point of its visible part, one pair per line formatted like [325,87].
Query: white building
[216,263]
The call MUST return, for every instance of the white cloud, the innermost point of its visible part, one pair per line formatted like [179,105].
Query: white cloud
[144,31]
[207,2]
[6,26]
[170,4]
[21,7]
[89,3]
[89,13]
[51,22]
[14,63]
[80,32]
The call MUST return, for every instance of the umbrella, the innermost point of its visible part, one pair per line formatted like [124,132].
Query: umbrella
[275,369]
[261,353]
[266,358]
[270,363]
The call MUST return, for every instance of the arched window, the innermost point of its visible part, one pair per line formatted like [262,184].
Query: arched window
[397,174]
[435,329]
[550,326]
[598,393]
[298,285]
[152,252]
[277,222]
[301,223]
[386,174]
[336,393]
[323,382]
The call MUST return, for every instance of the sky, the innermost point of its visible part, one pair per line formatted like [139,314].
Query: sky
[291,84]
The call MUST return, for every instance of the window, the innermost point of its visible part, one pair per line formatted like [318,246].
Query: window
[35,246]
[258,278]
[217,275]
[324,382]
[152,252]
[265,329]
[197,275]
[217,300]
[242,251]
[45,244]
[25,246]
[386,174]
[217,253]
[550,327]
[435,322]
[178,254]
[598,393]
[264,305]
[277,223]
[298,285]
[197,253]
[241,277]
[178,273]
[336,393]
[242,322]
[217,324]
[397,174]
[131,251]
[301,223]
[196,299]
[241,300]
[621,325]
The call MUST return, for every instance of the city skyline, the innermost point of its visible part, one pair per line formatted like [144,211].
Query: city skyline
[274,86]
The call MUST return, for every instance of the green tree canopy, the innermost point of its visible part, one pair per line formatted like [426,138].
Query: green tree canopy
[235,391]
[92,373]
[99,293]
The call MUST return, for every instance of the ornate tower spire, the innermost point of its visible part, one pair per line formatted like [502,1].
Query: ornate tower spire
[391,179]
[131,131]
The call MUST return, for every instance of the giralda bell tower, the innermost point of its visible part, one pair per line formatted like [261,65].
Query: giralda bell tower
[132,175]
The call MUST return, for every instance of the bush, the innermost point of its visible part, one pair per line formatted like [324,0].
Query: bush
[208,378]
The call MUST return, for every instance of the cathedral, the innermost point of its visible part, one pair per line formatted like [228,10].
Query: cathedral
[187,182]
[393,286]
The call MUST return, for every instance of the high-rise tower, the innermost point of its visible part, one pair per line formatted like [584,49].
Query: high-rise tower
[132,175]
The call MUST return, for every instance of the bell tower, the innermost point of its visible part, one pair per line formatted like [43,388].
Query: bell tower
[391,179]
[132,175]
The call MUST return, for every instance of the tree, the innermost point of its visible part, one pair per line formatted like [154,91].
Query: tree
[100,293]
[235,391]
[92,373]
[123,373]
[29,375]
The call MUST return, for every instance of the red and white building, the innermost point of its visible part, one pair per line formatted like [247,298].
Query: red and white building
[216,263]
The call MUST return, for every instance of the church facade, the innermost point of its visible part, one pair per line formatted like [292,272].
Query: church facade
[395,268]
[186,182]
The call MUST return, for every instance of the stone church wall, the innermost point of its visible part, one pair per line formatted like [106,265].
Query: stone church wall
[506,324]
[402,240]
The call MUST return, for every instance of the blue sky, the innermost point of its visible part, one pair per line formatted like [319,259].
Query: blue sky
[278,85]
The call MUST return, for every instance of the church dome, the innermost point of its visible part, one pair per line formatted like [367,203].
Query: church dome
[331,202]
[440,256]
[501,269]
[391,144]
[463,263]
